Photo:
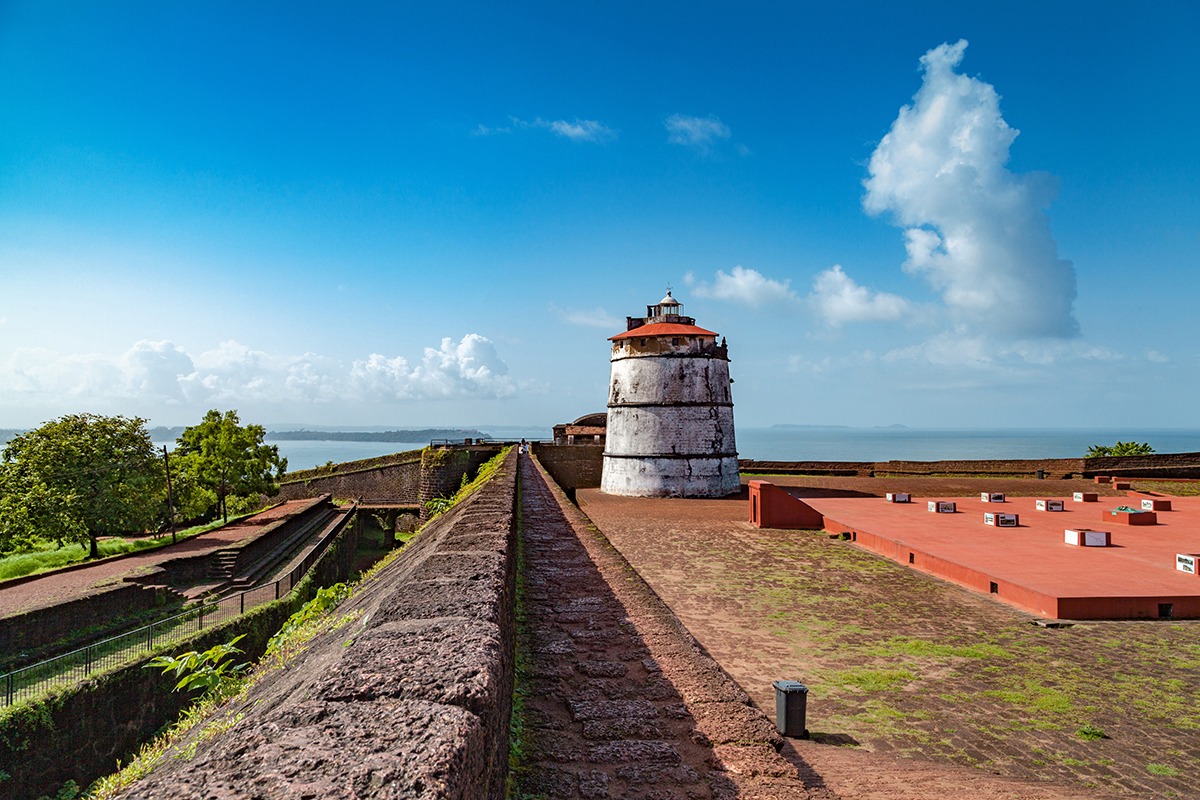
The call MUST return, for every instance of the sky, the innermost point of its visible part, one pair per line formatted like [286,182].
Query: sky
[401,214]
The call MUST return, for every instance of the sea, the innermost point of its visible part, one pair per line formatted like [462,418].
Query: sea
[794,443]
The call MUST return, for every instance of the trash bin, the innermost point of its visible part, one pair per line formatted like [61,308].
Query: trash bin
[791,708]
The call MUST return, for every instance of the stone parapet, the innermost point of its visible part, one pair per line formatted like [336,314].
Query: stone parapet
[411,699]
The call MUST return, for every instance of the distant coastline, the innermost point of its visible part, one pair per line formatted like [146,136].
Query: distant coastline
[417,435]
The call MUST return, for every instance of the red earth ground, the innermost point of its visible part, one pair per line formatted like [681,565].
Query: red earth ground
[910,677]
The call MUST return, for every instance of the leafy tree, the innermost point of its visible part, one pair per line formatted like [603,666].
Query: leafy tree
[229,460]
[1120,449]
[77,478]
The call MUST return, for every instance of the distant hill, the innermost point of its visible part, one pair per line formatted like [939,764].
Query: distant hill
[417,435]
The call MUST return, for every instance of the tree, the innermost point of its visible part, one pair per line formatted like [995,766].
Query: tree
[1120,449]
[228,459]
[77,478]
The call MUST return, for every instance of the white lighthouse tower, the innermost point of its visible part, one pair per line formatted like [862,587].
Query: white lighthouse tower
[670,411]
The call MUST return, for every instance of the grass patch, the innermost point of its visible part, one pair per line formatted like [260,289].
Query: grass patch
[1162,769]
[1035,698]
[923,648]
[872,680]
[1090,733]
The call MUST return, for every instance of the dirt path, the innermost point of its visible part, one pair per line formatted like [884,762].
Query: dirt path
[619,701]
[915,675]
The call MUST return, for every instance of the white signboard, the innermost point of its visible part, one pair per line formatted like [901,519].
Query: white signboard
[898,497]
[991,497]
[1049,505]
[1000,520]
[941,506]
[1186,562]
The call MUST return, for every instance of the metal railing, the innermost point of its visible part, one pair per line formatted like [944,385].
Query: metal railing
[70,668]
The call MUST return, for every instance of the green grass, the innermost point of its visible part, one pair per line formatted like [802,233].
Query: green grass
[1162,769]
[923,648]
[49,557]
[872,680]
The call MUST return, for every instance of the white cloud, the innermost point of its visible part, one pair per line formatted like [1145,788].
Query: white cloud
[588,318]
[1156,357]
[470,367]
[577,130]
[582,130]
[745,286]
[950,348]
[231,373]
[698,133]
[839,299]
[974,230]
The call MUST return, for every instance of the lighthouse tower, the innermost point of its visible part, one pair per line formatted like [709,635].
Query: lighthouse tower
[670,412]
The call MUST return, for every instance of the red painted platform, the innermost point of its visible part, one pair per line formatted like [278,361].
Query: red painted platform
[1030,566]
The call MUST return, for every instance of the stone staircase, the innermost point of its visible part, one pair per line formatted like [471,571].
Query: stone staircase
[222,564]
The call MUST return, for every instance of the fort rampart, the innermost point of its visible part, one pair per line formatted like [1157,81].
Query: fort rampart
[78,733]
[578,466]
[411,698]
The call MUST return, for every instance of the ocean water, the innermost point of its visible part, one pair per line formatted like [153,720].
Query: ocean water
[831,444]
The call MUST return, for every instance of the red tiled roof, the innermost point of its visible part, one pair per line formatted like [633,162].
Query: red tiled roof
[662,329]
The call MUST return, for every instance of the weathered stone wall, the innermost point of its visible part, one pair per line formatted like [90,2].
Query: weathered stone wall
[853,468]
[25,637]
[443,469]
[1053,467]
[1161,465]
[575,466]
[1166,465]
[412,699]
[395,478]
[79,733]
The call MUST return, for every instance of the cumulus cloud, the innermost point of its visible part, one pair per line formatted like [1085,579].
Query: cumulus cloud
[838,298]
[470,367]
[698,133]
[974,230]
[232,373]
[588,318]
[745,286]
[577,130]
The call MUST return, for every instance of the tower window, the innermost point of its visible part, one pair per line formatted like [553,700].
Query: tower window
[675,342]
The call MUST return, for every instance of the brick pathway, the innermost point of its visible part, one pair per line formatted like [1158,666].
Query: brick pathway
[620,702]
[69,584]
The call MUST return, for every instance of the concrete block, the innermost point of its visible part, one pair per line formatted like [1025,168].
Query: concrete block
[1156,504]
[1086,497]
[991,497]
[1001,520]
[1084,537]
[1049,505]
[941,506]
[1130,517]
[899,497]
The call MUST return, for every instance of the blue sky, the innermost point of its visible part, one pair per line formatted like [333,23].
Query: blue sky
[936,214]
